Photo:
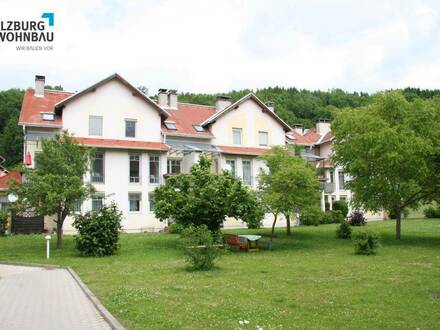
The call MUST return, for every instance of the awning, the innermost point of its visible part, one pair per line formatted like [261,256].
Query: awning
[186,147]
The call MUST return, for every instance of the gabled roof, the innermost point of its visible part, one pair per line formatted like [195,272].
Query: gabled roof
[32,107]
[250,96]
[310,138]
[326,138]
[116,76]
[186,116]
[10,176]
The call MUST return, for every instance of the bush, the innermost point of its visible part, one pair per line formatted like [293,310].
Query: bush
[432,212]
[344,230]
[341,206]
[357,219]
[98,231]
[311,217]
[200,247]
[365,242]
[392,214]
[176,228]
[4,216]
[326,217]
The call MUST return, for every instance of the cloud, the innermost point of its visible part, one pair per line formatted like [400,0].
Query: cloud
[214,46]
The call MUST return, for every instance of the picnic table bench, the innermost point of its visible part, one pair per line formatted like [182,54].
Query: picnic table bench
[242,242]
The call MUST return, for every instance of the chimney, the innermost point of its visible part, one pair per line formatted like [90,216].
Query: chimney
[172,98]
[323,126]
[298,128]
[269,104]
[39,86]
[222,102]
[162,98]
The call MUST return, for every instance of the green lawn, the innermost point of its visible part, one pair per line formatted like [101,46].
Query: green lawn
[310,280]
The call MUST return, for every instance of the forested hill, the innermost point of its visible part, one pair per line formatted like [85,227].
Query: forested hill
[293,105]
[304,106]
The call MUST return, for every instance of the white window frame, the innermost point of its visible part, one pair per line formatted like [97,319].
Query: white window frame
[90,125]
[103,168]
[234,131]
[174,159]
[233,169]
[126,121]
[130,178]
[139,194]
[151,206]
[250,172]
[264,134]
[155,182]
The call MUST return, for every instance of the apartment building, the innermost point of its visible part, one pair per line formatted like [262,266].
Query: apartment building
[140,142]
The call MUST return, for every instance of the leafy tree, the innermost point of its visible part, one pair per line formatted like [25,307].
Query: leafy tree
[391,150]
[57,183]
[289,186]
[55,87]
[204,198]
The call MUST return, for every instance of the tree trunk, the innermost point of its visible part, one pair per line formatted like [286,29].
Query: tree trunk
[288,224]
[398,222]
[60,221]
[273,230]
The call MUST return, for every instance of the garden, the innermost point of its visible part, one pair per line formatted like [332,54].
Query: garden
[310,279]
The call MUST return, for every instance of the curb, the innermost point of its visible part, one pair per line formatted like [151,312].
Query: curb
[106,315]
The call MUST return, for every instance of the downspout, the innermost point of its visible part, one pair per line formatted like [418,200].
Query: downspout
[24,142]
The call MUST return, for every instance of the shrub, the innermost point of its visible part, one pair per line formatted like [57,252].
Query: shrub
[356,219]
[311,217]
[200,247]
[176,228]
[326,217]
[337,216]
[432,212]
[341,206]
[365,242]
[392,214]
[98,231]
[4,215]
[344,230]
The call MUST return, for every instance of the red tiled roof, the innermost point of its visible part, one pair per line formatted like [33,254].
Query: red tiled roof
[33,106]
[121,144]
[187,115]
[11,176]
[242,150]
[311,137]
[327,138]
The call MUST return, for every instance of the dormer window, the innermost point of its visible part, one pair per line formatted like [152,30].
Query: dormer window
[198,128]
[49,116]
[170,125]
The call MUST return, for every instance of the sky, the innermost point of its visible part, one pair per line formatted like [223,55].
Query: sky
[216,46]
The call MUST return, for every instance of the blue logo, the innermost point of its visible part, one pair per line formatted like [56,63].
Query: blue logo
[50,17]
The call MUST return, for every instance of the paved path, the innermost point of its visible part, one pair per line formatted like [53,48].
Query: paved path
[45,298]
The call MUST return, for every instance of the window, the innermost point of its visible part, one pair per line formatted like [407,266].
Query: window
[95,125]
[341,181]
[76,207]
[134,168]
[154,169]
[4,201]
[97,174]
[151,201]
[130,128]
[134,201]
[331,176]
[198,128]
[236,135]
[247,172]
[170,125]
[97,201]
[263,138]
[174,166]
[231,166]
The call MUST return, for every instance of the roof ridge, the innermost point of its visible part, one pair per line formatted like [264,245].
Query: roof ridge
[199,105]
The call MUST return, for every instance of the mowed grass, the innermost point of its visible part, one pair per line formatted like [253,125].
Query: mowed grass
[310,280]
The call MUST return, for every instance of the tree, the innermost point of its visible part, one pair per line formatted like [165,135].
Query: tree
[391,151]
[56,184]
[204,198]
[289,185]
